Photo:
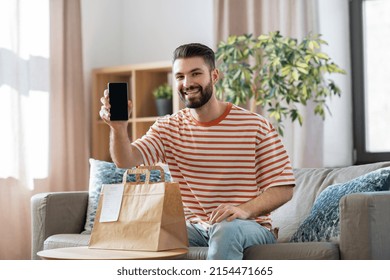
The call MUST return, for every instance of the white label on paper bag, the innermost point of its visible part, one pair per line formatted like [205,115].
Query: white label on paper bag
[112,201]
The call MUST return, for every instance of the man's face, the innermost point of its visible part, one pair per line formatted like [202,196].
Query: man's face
[193,80]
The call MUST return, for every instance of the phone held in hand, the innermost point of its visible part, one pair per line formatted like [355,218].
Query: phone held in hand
[117,93]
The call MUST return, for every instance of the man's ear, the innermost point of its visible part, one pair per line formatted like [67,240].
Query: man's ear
[215,75]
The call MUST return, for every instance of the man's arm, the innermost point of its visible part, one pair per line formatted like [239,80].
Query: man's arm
[122,152]
[265,203]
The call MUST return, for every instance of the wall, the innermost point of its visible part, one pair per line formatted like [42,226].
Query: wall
[134,31]
[154,28]
[338,133]
[102,29]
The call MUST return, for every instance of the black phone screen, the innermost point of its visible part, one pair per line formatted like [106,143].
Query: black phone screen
[118,101]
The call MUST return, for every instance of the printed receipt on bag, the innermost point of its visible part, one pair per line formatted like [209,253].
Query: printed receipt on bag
[112,201]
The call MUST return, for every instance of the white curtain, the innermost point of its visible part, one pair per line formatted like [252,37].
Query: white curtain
[43,137]
[294,18]
[24,91]
[24,110]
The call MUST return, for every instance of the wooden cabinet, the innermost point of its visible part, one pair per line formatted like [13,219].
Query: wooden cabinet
[142,79]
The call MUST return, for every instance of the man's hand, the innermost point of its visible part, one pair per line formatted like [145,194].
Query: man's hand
[122,152]
[105,110]
[263,204]
[228,212]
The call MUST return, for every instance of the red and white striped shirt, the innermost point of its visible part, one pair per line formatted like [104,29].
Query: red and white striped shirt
[229,160]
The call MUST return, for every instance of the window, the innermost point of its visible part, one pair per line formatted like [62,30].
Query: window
[24,90]
[370,29]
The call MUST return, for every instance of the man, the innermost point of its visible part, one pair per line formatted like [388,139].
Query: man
[230,163]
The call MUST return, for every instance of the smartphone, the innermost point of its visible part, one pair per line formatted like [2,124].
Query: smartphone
[117,93]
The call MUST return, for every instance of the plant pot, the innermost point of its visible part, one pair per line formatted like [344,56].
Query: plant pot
[164,106]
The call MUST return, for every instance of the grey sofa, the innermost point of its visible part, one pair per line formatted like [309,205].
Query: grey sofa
[58,220]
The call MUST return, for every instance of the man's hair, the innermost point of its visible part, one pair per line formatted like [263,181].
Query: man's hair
[195,50]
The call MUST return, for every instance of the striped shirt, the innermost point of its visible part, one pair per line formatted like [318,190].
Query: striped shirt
[229,160]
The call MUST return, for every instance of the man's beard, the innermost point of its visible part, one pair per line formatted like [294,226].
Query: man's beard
[205,95]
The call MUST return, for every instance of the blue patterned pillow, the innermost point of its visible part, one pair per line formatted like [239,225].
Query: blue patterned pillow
[322,224]
[102,172]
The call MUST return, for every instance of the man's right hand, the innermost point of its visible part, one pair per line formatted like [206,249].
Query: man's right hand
[122,152]
[105,111]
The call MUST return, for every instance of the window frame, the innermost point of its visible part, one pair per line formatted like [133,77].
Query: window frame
[361,155]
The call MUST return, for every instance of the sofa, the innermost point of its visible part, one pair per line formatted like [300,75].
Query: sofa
[357,227]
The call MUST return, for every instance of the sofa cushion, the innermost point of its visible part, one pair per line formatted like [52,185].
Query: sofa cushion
[66,240]
[280,251]
[102,172]
[310,182]
[197,253]
[323,223]
[293,251]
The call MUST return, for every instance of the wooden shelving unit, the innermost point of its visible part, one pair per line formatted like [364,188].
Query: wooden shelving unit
[142,80]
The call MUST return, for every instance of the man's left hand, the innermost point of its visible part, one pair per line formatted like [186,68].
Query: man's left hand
[228,212]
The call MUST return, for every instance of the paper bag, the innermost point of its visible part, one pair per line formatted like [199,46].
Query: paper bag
[151,217]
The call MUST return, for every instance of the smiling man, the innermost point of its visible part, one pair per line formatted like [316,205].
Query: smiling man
[232,167]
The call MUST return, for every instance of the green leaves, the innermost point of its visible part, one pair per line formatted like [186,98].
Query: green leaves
[163,92]
[278,72]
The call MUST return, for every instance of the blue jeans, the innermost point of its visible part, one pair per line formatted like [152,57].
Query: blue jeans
[228,240]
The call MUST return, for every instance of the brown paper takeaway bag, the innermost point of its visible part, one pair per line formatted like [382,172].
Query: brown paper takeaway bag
[151,217]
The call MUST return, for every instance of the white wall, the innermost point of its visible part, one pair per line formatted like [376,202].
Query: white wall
[102,29]
[118,32]
[338,131]
[154,28]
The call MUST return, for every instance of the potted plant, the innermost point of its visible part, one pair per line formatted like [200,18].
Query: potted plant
[163,96]
[277,73]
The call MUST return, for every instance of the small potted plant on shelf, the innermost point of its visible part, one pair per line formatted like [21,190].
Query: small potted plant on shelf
[163,96]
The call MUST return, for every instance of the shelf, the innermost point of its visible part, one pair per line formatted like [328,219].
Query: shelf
[142,80]
[146,119]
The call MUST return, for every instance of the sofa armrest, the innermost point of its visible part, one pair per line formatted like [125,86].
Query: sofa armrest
[54,213]
[365,226]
